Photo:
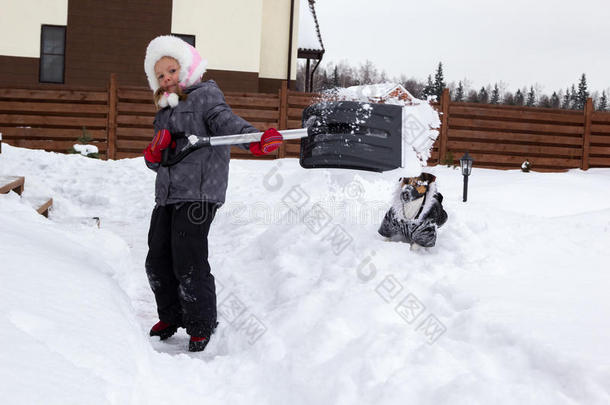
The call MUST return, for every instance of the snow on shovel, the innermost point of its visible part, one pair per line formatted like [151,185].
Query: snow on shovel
[337,134]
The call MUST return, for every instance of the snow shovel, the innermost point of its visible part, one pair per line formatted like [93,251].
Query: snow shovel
[339,134]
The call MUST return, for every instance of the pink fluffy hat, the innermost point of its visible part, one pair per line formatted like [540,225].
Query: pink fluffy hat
[192,65]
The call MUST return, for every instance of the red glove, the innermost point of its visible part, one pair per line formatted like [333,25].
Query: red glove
[270,141]
[162,140]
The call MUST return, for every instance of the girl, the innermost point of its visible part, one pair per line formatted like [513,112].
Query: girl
[188,193]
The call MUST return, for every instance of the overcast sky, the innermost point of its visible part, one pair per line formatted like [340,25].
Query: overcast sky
[517,42]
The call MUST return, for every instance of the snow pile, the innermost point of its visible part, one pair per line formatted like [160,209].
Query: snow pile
[85,149]
[420,121]
[511,306]
[69,331]
[420,128]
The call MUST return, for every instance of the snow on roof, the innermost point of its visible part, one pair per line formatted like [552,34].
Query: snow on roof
[309,36]
[377,92]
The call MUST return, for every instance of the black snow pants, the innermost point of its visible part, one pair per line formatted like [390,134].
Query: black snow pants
[177,266]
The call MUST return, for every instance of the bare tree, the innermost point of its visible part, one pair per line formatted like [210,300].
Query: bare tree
[495,95]
[531,97]
[415,87]
[368,73]
[602,105]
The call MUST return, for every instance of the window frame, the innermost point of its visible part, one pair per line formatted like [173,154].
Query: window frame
[40,64]
[183,36]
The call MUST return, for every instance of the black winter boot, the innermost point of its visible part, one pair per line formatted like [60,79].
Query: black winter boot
[198,344]
[163,330]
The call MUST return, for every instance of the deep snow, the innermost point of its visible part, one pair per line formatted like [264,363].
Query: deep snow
[511,306]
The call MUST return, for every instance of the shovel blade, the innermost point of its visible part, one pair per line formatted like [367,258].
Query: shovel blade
[352,135]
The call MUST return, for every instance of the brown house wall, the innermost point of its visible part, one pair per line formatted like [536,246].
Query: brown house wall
[110,36]
[272,85]
[233,81]
[18,71]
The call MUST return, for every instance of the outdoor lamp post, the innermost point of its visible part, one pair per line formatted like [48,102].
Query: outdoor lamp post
[466,165]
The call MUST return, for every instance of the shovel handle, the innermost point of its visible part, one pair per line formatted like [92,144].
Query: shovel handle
[196,142]
[287,134]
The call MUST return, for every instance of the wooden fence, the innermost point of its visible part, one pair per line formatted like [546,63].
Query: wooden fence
[53,119]
[499,136]
[119,121]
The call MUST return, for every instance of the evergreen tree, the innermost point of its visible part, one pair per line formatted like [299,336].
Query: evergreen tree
[573,98]
[473,97]
[603,102]
[439,82]
[429,88]
[495,95]
[323,82]
[459,92]
[583,93]
[565,104]
[509,98]
[483,96]
[336,81]
[545,101]
[555,101]
[519,99]
[531,97]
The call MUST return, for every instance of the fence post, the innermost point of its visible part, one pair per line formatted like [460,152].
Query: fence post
[442,144]
[112,118]
[283,123]
[586,139]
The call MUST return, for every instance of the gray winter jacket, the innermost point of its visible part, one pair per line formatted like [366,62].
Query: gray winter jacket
[203,174]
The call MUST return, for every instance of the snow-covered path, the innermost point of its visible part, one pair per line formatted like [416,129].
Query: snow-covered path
[511,306]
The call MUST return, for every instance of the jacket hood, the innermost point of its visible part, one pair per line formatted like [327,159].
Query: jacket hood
[425,187]
[192,65]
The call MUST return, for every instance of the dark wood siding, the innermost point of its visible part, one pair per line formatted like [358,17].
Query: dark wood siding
[233,81]
[17,71]
[272,85]
[110,36]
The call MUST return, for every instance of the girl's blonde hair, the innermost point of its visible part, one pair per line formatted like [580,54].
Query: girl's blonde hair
[159,93]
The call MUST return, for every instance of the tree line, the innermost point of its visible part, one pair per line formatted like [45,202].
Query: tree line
[343,74]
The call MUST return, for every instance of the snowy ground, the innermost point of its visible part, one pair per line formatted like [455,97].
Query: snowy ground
[511,306]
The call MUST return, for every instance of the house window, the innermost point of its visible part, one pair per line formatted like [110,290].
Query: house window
[189,39]
[52,53]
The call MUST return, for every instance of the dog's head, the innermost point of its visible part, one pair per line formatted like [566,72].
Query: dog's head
[412,188]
